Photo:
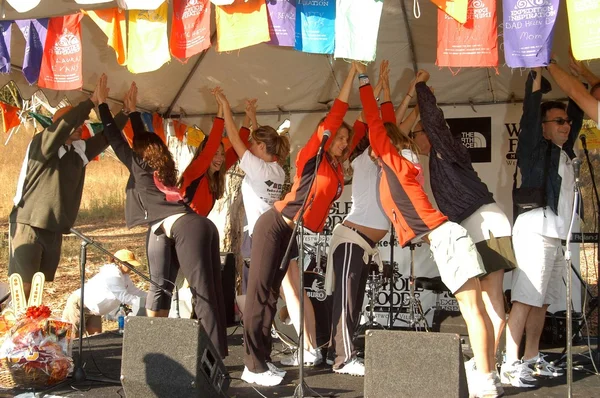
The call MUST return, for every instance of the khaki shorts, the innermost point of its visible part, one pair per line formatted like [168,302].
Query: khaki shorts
[455,255]
[71,314]
[33,250]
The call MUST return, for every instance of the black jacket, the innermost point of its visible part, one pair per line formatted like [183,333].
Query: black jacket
[145,203]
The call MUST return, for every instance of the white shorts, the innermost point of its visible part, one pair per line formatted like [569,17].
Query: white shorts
[540,269]
[455,255]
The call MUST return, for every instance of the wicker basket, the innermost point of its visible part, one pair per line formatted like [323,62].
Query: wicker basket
[12,376]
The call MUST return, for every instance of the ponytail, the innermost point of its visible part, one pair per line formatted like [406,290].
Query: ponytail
[282,148]
[276,145]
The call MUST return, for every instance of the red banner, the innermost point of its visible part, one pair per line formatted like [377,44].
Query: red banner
[473,44]
[10,116]
[61,63]
[190,29]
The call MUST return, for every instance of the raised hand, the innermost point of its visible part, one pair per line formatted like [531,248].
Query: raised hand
[576,67]
[359,67]
[422,76]
[130,101]
[100,93]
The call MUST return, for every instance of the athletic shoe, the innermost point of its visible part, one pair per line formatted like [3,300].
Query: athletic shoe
[517,374]
[498,383]
[310,359]
[276,370]
[543,368]
[484,386]
[267,379]
[471,369]
[354,367]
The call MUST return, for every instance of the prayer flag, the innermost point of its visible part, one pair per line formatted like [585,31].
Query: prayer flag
[282,22]
[10,116]
[34,31]
[528,32]
[222,2]
[315,26]
[158,123]
[128,133]
[22,6]
[457,9]
[5,46]
[356,29]
[241,24]
[474,44]
[112,22]
[87,132]
[584,25]
[147,119]
[194,136]
[180,130]
[148,41]
[61,64]
[190,28]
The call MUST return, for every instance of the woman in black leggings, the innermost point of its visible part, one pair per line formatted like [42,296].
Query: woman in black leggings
[152,199]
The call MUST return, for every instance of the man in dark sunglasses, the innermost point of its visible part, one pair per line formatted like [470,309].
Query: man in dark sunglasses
[544,158]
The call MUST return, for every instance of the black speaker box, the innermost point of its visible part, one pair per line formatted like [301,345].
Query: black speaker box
[228,281]
[414,364]
[170,357]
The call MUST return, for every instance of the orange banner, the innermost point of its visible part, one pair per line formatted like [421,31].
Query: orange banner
[190,28]
[112,22]
[241,24]
[473,44]
[61,63]
[158,124]
[10,116]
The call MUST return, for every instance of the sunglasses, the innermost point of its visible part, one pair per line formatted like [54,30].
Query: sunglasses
[560,121]
[412,133]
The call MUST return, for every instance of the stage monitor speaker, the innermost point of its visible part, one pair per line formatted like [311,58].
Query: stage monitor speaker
[413,364]
[170,357]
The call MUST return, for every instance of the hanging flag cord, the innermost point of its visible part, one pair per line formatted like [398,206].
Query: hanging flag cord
[416,9]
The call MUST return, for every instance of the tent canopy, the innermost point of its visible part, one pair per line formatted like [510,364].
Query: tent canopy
[284,80]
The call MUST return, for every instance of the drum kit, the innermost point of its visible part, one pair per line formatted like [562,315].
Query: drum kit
[378,281]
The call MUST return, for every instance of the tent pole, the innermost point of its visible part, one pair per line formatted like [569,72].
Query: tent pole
[189,77]
[411,43]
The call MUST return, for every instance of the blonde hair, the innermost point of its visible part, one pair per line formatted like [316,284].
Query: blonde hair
[398,139]
[276,145]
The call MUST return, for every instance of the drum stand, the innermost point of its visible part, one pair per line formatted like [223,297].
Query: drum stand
[416,319]
[374,283]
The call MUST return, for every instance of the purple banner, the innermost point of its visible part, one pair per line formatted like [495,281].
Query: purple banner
[5,47]
[34,31]
[528,31]
[282,22]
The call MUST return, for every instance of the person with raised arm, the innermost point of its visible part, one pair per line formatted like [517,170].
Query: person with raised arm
[153,199]
[544,153]
[414,218]
[49,190]
[276,226]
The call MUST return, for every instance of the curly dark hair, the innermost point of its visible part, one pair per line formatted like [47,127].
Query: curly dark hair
[156,154]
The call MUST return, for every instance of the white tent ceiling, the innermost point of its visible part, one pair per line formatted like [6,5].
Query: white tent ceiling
[282,79]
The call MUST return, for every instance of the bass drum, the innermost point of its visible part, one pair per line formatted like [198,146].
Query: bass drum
[314,286]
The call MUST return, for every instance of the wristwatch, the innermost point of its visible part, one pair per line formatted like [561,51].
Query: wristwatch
[363,79]
[551,61]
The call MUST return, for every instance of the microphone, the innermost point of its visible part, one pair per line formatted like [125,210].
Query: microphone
[576,170]
[583,143]
[326,135]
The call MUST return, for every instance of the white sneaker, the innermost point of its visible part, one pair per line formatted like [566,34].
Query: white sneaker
[541,367]
[267,379]
[517,374]
[276,370]
[471,370]
[355,367]
[310,359]
[484,386]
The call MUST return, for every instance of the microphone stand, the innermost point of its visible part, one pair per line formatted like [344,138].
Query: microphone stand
[79,374]
[569,337]
[302,389]
[595,356]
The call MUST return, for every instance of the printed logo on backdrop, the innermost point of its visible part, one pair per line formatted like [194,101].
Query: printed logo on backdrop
[476,135]
[513,130]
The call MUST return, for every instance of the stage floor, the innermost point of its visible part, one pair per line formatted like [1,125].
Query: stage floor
[102,355]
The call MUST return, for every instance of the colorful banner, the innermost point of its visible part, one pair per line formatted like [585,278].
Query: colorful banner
[190,28]
[457,9]
[474,44]
[241,25]
[61,64]
[158,124]
[584,26]
[356,29]
[148,122]
[23,5]
[34,31]
[194,136]
[528,32]
[140,4]
[148,41]
[112,22]
[315,26]
[282,22]
[5,46]
[10,116]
